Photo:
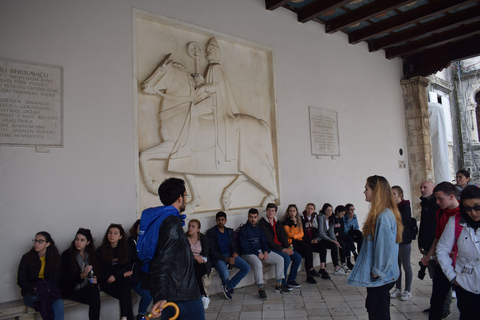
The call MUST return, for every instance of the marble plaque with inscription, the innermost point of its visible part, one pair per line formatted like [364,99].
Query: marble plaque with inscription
[31,104]
[324,132]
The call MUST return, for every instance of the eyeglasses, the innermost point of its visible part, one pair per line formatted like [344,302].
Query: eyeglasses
[39,241]
[469,209]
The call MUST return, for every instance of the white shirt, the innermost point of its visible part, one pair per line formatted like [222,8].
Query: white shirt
[467,268]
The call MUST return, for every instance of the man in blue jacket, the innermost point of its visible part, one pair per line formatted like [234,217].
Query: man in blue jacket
[223,254]
[255,250]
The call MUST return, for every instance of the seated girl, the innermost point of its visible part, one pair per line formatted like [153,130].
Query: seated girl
[310,227]
[339,230]
[352,228]
[114,268]
[199,245]
[79,266]
[292,223]
[39,277]
[326,235]
[145,297]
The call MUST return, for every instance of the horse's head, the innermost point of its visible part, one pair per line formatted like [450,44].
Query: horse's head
[157,80]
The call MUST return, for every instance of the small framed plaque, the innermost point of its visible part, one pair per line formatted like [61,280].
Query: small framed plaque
[31,104]
[324,137]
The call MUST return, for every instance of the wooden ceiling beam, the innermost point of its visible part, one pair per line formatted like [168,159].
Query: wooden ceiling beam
[434,40]
[363,13]
[404,19]
[274,4]
[317,8]
[432,60]
[437,25]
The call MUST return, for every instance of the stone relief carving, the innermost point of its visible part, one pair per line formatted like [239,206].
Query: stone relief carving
[203,132]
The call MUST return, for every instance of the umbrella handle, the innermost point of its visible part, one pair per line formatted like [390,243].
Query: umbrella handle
[168,304]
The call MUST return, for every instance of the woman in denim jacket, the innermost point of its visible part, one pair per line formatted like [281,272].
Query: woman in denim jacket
[377,265]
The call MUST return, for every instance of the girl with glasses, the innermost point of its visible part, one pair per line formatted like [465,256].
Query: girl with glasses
[462,237]
[39,277]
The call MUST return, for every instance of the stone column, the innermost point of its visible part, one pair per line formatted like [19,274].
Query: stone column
[420,162]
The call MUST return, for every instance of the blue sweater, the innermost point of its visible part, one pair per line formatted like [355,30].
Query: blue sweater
[252,240]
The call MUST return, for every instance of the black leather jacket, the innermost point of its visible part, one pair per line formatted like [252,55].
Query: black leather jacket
[172,275]
[428,222]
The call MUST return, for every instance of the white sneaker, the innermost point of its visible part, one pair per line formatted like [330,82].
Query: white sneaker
[454,294]
[206,302]
[345,268]
[339,271]
[396,293]
[405,296]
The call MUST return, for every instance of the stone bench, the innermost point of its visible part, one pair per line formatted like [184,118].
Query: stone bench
[18,311]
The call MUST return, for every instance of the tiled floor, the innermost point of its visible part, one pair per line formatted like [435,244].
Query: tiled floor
[327,300]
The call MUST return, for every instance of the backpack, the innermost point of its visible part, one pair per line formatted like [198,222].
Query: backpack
[413,228]
[236,236]
[458,230]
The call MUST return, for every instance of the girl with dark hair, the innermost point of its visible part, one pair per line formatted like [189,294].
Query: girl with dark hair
[377,265]
[339,230]
[115,268]
[39,277]
[326,234]
[202,265]
[292,223]
[462,236]
[352,228]
[145,297]
[77,263]
[405,247]
[310,228]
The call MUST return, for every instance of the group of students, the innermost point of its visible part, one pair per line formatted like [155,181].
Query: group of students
[45,277]
[278,242]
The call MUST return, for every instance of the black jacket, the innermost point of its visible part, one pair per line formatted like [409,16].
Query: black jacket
[205,253]
[406,213]
[269,234]
[428,222]
[172,275]
[214,248]
[106,269]
[27,276]
[70,274]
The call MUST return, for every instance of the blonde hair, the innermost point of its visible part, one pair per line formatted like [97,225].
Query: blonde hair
[382,198]
[199,227]
[286,216]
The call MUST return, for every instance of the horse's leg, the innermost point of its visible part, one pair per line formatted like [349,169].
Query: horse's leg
[195,201]
[159,152]
[227,192]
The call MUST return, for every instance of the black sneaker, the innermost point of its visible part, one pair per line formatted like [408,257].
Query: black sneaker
[226,291]
[350,265]
[262,295]
[324,273]
[311,280]
[281,288]
[445,314]
[313,273]
[293,284]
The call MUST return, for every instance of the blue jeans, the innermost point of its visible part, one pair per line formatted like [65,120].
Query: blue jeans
[144,300]
[223,272]
[190,309]
[296,259]
[57,305]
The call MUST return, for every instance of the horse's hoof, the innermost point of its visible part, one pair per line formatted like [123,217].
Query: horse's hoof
[227,202]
